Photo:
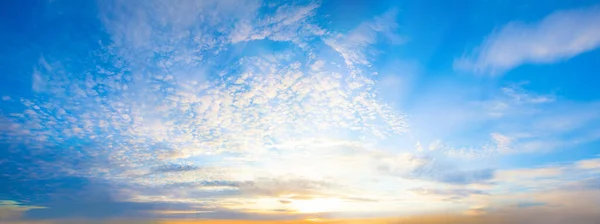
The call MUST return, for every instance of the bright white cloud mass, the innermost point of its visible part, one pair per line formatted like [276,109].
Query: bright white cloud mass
[265,110]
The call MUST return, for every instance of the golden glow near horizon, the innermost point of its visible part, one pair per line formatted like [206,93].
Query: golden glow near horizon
[317,205]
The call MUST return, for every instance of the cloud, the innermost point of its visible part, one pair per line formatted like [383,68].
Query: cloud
[284,201]
[566,125]
[452,193]
[287,23]
[592,183]
[537,189]
[354,46]
[558,36]
[501,106]
[12,210]
[513,120]
[530,173]
[433,168]
[138,119]
[526,182]
[282,187]
[589,164]
[59,196]
[476,211]
[180,114]
[156,21]
[175,168]
[211,110]
[465,177]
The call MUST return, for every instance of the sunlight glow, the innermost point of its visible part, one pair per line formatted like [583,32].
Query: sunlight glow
[317,205]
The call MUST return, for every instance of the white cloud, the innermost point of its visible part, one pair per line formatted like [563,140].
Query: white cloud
[530,189]
[318,65]
[572,176]
[288,125]
[154,102]
[528,174]
[589,164]
[558,36]
[37,82]
[354,45]
[288,23]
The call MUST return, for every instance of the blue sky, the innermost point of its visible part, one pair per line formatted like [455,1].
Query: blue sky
[286,110]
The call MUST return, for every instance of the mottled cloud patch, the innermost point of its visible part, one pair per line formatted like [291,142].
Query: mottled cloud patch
[164,124]
[286,23]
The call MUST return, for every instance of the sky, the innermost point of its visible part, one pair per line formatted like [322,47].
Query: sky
[173,111]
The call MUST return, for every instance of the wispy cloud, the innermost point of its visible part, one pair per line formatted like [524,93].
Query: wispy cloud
[558,36]
[287,23]
[516,120]
[354,45]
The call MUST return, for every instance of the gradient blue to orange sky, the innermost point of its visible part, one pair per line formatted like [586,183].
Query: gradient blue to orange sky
[325,111]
